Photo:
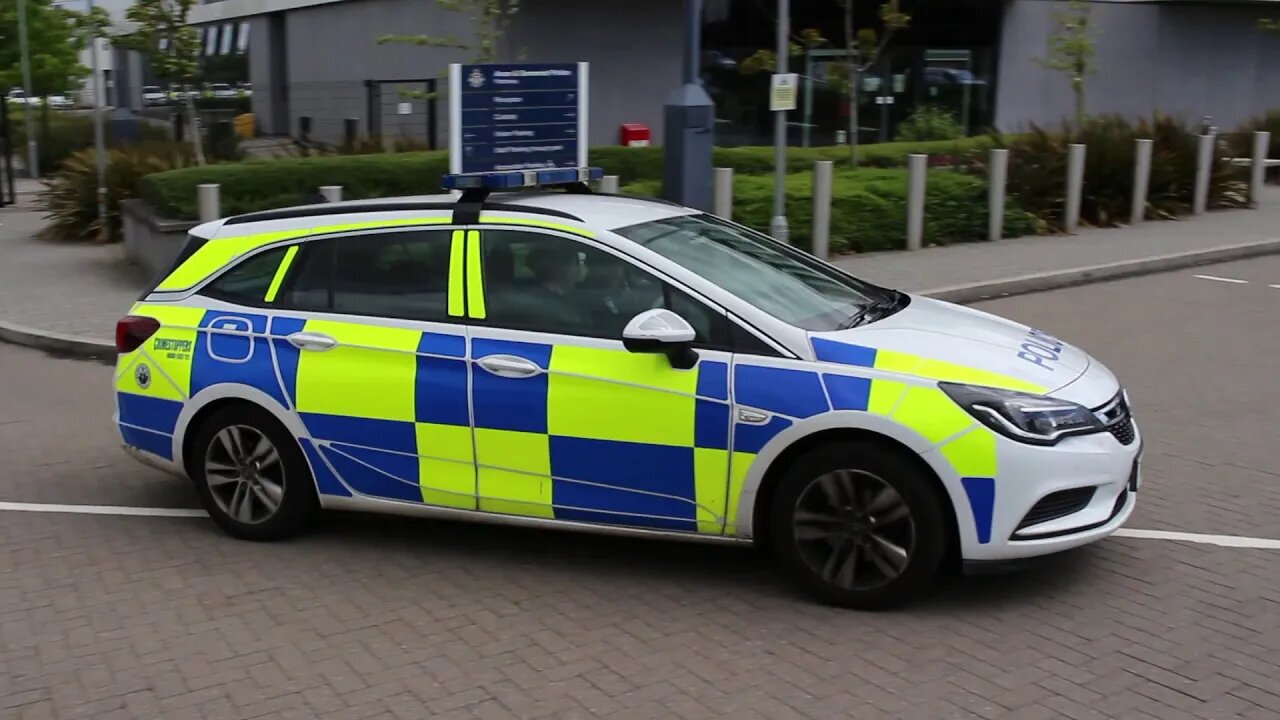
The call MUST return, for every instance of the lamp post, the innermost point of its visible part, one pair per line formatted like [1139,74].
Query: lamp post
[33,157]
[99,143]
[778,225]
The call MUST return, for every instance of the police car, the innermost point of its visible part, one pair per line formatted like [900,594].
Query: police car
[525,351]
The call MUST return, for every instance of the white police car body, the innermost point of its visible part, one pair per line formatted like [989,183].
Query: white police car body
[863,434]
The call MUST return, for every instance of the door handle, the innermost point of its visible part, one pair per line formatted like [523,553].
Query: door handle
[509,366]
[311,341]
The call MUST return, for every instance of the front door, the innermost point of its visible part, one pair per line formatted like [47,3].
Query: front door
[375,365]
[570,425]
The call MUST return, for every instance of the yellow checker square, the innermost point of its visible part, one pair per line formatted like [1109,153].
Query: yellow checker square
[622,396]
[370,374]
[739,465]
[932,414]
[515,472]
[899,362]
[711,475]
[884,396]
[168,354]
[973,454]
[446,465]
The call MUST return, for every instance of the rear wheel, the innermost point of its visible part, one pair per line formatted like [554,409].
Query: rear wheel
[251,475]
[859,525]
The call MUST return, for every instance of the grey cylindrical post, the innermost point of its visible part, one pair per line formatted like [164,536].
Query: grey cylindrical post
[997,178]
[778,226]
[1204,166]
[331,193]
[1261,148]
[917,169]
[1075,186]
[609,184]
[208,202]
[822,171]
[723,193]
[1141,180]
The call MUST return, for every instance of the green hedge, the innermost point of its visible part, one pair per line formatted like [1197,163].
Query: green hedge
[260,185]
[869,208]
[65,135]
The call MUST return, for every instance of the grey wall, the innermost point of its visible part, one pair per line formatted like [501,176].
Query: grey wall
[1188,60]
[331,50]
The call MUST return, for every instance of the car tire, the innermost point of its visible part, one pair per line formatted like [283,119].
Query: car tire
[859,525]
[251,475]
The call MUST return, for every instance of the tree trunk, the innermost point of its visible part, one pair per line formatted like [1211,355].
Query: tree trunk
[193,126]
[852,72]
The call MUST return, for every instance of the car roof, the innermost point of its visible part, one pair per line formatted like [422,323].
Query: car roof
[595,210]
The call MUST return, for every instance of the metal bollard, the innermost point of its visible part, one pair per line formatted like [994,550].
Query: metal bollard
[1075,186]
[723,194]
[822,172]
[1258,176]
[208,202]
[917,170]
[1204,166]
[1141,180]
[331,193]
[997,179]
[350,131]
[609,184]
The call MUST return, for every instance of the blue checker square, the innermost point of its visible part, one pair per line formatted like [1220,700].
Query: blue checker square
[440,391]
[713,380]
[844,353]
[149,412]
[623,483]
[286,354]
[753,438]
[223,357]
[797,393]
[367,481]
[326,482]
[711,425]
[848,393]
[502,403]
[155,443]
[982,501]
[366,432]
[443,344]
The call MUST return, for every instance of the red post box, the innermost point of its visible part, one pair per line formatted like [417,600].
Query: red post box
[635,135]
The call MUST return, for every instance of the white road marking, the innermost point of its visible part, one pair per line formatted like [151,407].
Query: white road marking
[1274,286]
[1233,541]
[102,510]
[1215,278]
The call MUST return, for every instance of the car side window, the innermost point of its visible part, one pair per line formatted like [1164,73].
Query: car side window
[394,274]
[547,283]
[247,283]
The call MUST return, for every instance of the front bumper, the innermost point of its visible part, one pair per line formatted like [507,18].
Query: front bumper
[1050,499]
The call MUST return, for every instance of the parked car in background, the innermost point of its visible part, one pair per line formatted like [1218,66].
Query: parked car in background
[19,97]
[154,95]
[61,102]
[223,90]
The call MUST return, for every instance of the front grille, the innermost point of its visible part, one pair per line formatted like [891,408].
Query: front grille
[1118,419]
[1057,505]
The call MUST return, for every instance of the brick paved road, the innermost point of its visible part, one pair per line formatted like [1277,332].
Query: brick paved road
[109,617]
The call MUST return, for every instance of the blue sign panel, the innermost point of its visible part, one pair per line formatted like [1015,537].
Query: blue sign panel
[516,117]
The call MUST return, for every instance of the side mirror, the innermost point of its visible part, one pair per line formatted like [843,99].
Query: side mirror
[662,331]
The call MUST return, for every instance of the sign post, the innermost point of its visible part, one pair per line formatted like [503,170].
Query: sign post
[517,117]
[689,123]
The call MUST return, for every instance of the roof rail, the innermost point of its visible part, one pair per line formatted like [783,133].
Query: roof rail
[399,206]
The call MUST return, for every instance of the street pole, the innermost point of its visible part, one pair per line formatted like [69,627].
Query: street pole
[33,157]
[778,226]
[98,139]
[689,119]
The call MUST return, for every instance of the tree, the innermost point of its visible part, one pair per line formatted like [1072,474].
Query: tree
[172,48]
[489,19]
[1071,51]
[55,38]
[862,51]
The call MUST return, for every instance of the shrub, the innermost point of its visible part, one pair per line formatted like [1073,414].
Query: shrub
[1038,171]
[869,208]
[70,196]
[66,135]
[930,122]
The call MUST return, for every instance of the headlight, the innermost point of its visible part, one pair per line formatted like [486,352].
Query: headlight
[1026,418]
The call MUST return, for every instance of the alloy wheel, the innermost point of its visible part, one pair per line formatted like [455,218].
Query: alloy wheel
[245,474]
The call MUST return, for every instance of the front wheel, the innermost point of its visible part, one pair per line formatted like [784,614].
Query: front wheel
[251,475]
[859,525]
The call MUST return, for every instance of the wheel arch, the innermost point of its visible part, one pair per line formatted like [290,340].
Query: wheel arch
[212,399]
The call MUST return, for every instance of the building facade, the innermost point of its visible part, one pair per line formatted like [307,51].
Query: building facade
[317,65]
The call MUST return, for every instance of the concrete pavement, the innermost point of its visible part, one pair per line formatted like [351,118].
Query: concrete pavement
[69,296]
[134,617]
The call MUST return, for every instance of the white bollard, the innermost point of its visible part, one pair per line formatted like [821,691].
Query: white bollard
[1075,186]
[208,202]
[331,193]
[609,184]
[1141,180]
[997,180]
[822,173]
[917,170]
[1258,178]
[723,183]
[1204,167]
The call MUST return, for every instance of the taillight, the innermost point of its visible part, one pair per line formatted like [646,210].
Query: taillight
[133,330]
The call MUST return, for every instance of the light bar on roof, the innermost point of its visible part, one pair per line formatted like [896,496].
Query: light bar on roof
[510,180]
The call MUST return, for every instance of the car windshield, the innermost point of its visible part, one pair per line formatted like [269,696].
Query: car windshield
[774,277]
